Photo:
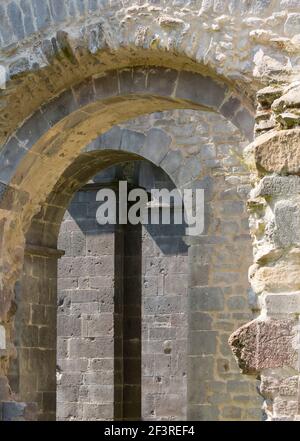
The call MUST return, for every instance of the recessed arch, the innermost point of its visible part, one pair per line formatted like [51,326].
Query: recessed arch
[39,151]
[51,144]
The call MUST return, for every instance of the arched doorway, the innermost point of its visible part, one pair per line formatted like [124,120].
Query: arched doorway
[154,146]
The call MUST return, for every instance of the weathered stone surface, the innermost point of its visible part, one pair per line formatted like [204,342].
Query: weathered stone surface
[28,17]
[275,152]
[281,276]
[207,299]
[275,186]
[42,13]
[265,344]
[2,338]
[268,95]
[289,119]
[292,24]
[15,16]
[156,146]
[289,99]
[10,156]
[104,36]
[203,91]
[281,304]
[287,223]
[14,411]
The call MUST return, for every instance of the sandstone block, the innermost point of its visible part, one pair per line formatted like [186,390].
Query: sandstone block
[265,344]
[275,152]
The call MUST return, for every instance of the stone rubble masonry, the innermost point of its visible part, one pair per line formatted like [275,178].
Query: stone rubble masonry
[269,345]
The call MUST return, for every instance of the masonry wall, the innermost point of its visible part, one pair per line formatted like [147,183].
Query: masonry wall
[32,373]
[148,294]
[194,300]
[165,326]
[86,315]
[251,43]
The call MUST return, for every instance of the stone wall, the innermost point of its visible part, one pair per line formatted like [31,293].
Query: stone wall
[49,47]
[152,331]
[216,269]
[86,331]
[274,224]
[32,372]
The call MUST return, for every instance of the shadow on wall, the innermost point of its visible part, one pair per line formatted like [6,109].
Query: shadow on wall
[169,238]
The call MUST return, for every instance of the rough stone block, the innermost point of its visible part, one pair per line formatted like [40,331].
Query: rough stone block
[201,366]
[287,303]
[68,326]
[275,152]
[27,16]
[270,341]
[97,412]
[245,122]
[101,393]
[32,130]
[199,274]
[5,26]
[84,92]
[232,412]
[188,172]
[172,161]
[91,348]
[233,208]
[236,303]
[200,321]
[229,107]
[99,378]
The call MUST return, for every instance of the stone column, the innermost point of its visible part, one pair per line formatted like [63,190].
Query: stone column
[269,346]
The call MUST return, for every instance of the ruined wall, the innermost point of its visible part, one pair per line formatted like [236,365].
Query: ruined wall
[273,204]
[47,46]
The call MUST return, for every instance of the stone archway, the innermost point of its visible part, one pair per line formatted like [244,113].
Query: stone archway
[145,90]
[199,37]
[54,135]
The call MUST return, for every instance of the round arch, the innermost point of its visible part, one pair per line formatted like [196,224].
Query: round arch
[48,145]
